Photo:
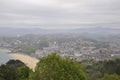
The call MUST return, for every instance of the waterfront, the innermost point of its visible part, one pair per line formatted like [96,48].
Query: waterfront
[28,60]
[4,56]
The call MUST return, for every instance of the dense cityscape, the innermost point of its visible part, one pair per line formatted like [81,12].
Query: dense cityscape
[74,46]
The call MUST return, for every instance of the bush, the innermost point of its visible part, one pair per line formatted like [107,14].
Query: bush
[14,70]
[53,67]
[110,77]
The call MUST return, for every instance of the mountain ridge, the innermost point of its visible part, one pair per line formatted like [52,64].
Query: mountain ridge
[22,31]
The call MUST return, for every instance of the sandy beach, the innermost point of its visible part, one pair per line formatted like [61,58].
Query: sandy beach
[29,61]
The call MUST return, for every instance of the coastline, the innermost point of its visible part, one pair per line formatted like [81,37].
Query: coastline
[28,60]
[4,56]
[5,50]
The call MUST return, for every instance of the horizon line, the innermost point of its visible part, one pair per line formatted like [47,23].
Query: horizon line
[65,28]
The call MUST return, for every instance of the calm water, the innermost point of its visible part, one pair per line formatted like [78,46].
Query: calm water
[4,57]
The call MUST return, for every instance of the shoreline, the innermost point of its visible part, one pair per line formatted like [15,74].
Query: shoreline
[5,50]
[28,60]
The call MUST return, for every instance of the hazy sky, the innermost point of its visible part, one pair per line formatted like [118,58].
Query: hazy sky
[59,13]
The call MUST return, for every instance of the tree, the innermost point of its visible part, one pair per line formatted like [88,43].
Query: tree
[23,73]
[110,77]
[14,70]
[53,67]
[98,69]
[7,73]
[15,63]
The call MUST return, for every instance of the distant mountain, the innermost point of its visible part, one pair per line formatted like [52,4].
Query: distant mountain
[98,30]
[23,31]
[19,31]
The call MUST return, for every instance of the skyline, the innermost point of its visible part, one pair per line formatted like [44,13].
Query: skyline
[59,14]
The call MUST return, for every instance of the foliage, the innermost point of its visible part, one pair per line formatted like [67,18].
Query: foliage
[23,73]
[15,63]
[28,49]
[98,69]
[14,70]
[110,77]
[53,67]
[7,73]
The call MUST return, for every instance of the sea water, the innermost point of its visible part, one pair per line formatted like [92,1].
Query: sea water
[4,57]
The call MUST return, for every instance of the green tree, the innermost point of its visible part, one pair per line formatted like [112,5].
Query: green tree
[28,49]
[98,69]
[7,73]
[23,73]
[15,63]
[14,70]
[110,77]
[53,67]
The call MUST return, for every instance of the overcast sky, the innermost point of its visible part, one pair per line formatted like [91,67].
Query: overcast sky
[59,13]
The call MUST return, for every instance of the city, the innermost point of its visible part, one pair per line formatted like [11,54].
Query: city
[74,46]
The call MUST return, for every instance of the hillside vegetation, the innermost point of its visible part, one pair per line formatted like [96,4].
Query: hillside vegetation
[54,67]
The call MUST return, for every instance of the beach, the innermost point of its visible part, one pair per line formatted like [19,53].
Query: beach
[29,61]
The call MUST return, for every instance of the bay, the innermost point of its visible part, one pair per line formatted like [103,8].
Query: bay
[4,57]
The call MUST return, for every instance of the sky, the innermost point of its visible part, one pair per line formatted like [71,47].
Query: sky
[55,14]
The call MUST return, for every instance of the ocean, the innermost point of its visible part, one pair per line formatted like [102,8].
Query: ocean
[4,57]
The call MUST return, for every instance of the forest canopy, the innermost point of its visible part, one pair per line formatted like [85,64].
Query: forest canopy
[54,67]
